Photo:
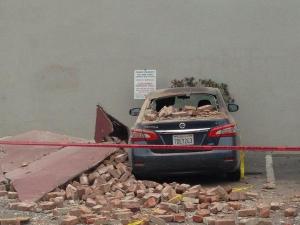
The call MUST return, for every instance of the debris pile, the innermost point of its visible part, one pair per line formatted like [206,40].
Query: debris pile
[187,112]
[110,194]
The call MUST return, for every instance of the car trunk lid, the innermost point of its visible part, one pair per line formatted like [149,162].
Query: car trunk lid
[181,132]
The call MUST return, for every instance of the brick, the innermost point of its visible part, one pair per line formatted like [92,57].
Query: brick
[3,187]
[99,220]
[159,188]
[263,211]
[125,176]
[122,168]
[217,207]
[58,201]
[87,218]
[97,209]
[228,188]
[131,204]
[82,192]
[204,199]
[224,221]
[154,195]
[156,220]
[104,169]
[84,210]
[3,193]
[12,195]
[179,218]
[47,205]
[255,221]
[251,195]
[247,212]
[191,193]
[168,193]
[215,198]
[290,212]
[150,202]
[189,206]
[104,187]
[13,205]
[248,221]
[275,205]
[221,192]
[25,206]
[167,217]
[209,220]
[237,196]
[55,212]
[84,180]
[166,111]
[235,205]
[132,188]
[75,212]
[181,188]
[55,194]
[119,194]
[197,218]
[115,173]
[99,180]
[116,203]
[121,158]
[203,212]
[12,221]
[262,221]
[140,193]
[169,206]
[191,200]
[159,211]
[71,192]
[123,214]
[150,116]
[70,220]
[150,184]
[92,176]
[203,205]
[90,203]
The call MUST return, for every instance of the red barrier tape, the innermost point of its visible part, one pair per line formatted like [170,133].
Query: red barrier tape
[161,147]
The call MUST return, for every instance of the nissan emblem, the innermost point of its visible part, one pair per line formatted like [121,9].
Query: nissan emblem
[181,125]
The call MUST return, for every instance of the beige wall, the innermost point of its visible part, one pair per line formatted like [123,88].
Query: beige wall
[59,58]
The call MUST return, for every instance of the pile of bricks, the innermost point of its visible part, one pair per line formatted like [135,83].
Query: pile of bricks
[187,112]
[111,195]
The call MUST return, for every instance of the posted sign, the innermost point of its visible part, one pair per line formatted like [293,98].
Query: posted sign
[144,83]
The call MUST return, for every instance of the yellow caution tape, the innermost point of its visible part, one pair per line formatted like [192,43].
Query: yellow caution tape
[244,188]
[137,222]
[176,199]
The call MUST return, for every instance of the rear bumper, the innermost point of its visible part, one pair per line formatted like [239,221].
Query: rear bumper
[146,162]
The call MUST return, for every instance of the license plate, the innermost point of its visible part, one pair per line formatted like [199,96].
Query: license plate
[183,139]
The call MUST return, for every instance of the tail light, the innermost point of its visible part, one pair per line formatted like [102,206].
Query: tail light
[142,135]
[228,130]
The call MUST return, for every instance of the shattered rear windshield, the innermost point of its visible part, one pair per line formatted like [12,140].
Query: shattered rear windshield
[180,101]
[192,106]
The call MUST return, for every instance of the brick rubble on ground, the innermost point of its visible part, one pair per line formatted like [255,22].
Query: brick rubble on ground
[111,194]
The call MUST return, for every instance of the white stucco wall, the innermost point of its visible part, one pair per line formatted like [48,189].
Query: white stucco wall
[58,59]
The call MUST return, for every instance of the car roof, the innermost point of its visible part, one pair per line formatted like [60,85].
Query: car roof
[182,90]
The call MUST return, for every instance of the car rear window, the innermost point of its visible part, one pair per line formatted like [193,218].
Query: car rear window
[180,101]
[197,106]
